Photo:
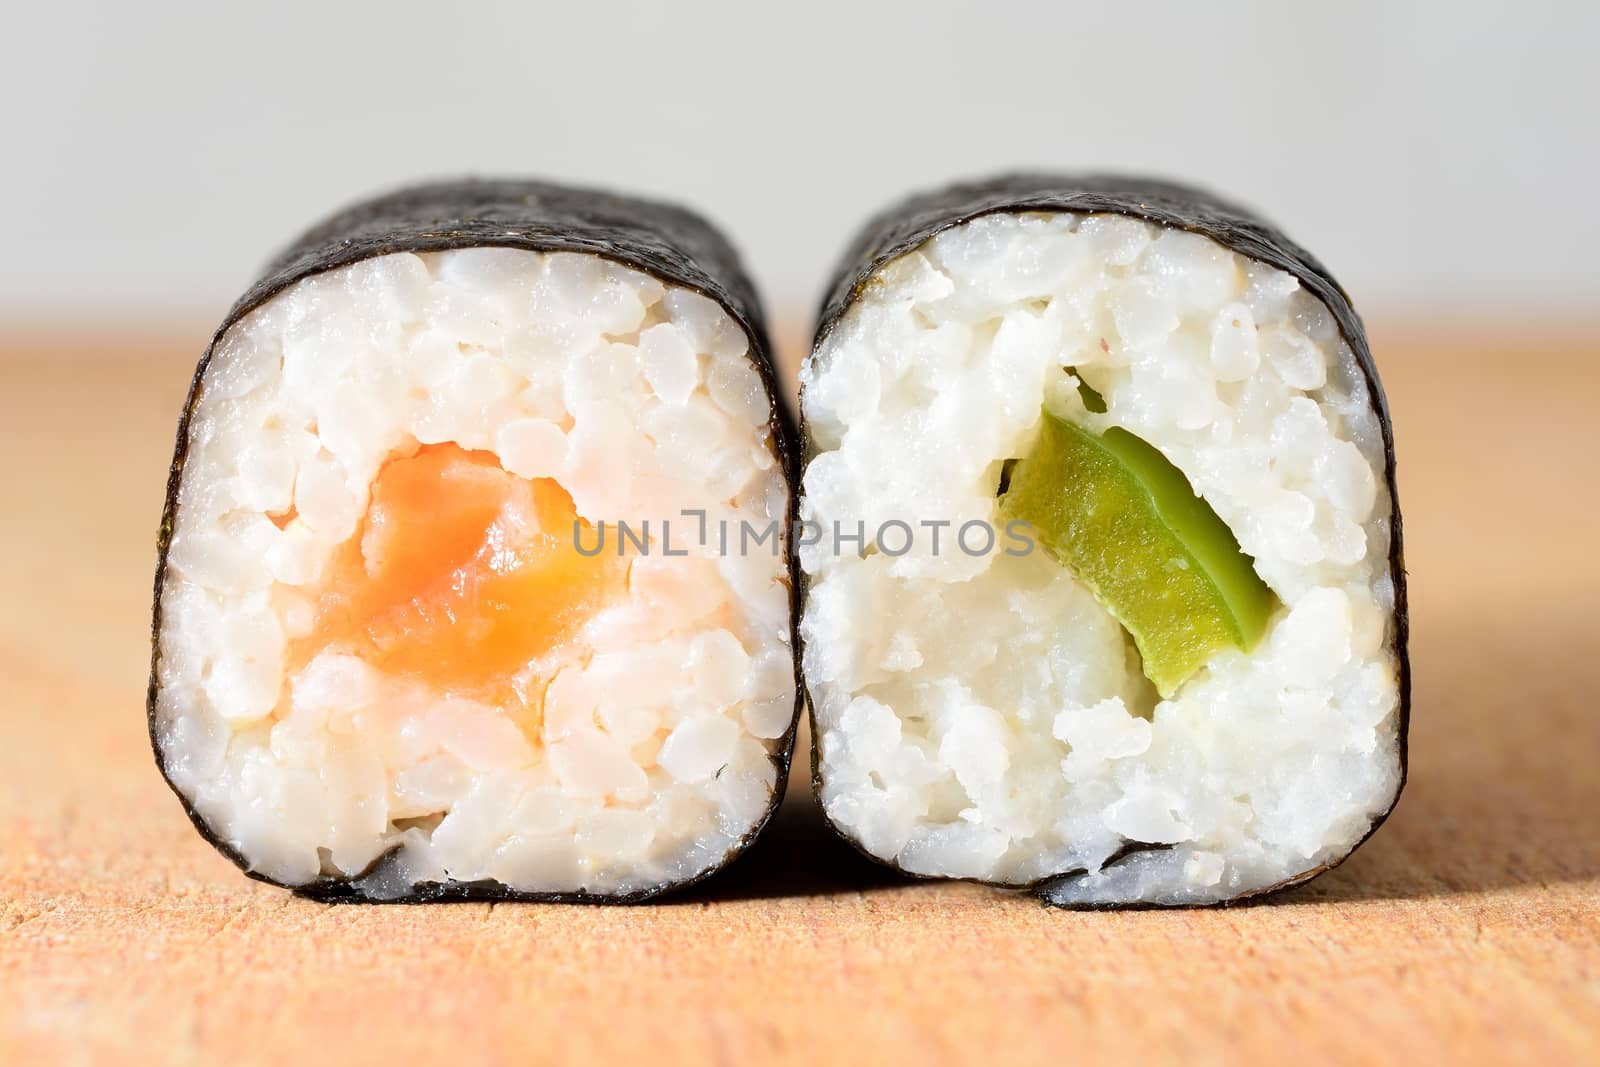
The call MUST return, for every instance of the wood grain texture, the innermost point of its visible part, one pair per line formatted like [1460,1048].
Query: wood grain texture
[1469,928]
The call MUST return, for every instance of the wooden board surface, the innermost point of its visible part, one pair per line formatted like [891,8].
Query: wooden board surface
[1467,927]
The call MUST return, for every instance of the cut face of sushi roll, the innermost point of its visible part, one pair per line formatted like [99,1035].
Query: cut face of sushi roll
[1103,591]
[403,648]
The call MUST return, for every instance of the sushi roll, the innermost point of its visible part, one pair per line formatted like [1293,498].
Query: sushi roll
[445,605]
[1102,588]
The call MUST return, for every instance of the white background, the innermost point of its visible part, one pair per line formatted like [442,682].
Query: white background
[1437,155]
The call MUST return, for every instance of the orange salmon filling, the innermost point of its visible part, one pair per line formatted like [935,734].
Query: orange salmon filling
[460,575]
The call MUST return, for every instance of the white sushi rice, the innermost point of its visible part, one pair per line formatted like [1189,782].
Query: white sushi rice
[981,715]
[661,716]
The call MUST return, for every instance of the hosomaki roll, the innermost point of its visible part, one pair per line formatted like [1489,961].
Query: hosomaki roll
[445,607]
[1102,579]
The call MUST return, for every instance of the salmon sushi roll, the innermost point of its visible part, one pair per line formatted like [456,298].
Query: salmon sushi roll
[1103,587]
[445,607]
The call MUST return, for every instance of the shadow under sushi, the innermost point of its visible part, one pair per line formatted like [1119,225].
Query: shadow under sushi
[797,855]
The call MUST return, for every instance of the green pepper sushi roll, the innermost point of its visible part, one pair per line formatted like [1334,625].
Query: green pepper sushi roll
[441,610]
[1102,587]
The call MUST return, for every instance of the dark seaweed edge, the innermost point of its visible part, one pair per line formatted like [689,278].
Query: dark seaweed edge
[910,223]
[667,242]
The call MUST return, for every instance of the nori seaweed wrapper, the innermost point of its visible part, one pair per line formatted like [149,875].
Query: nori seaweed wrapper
[667,242]
[912,222]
